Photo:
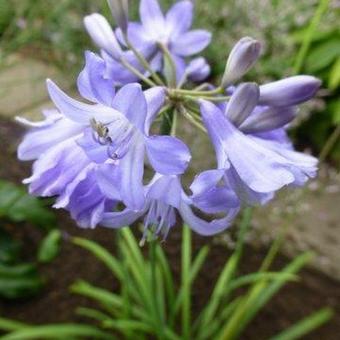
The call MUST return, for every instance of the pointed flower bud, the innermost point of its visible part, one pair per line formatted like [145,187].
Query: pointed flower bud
[102,34]
[242,103]
[290,91]
[120,12]
[198,69]
[242,57]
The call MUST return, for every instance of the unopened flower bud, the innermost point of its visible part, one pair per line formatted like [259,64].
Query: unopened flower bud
[242,57]
[289,91]
[242,102]
[198,69]
[120,12]
[102,34]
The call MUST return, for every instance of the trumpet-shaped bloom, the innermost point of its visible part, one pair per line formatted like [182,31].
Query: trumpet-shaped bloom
[117,127]
[251,147]
[62,169]
[171,30]
[165,197]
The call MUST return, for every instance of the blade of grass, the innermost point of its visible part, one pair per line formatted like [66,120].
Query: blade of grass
[258,296]
[306,325]
[195,268]
[62,331]
[321,9]
[168,278]
[226,275]
[10,325]
[186,263]
[102,254]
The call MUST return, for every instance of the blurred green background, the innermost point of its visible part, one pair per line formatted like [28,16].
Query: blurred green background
[298,37]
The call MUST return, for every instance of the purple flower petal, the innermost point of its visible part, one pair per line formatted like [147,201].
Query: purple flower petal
[268,119]
[198,69]
[242,102]
[151,16]
[91,82]
[179,17]
[40,139]
[290,91]
[260,168]
[155,98]
[167,155]
[131,169]
[205,181]
[95,151]
[191,43]
[77,111]
[203,227]
[167,189]
[109,181]
[117,220]
[131,102]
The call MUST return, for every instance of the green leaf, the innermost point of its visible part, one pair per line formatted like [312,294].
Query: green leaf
[50,246]
[13,288]
[323,55]
[9,248]
[334,75]
[101,254]
[11,325]
[305,326]
[18,206]
[334,108]
[62,331]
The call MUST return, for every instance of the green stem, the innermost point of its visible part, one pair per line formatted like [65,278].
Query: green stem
[191,119]
[137,73]
[168,57]
[186,263]
[323,5]
[144,62]
[330,144]
[216,91]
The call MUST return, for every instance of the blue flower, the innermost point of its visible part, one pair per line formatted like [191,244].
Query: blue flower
[251,146]
[164,197]
[117,127]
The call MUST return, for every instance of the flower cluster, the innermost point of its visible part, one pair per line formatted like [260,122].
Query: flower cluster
[91,154]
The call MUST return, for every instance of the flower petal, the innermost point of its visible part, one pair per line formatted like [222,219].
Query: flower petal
[131,102]
[262,169]
[205,181]
[242,102]
[77,111]
[40,139]
[108,181]
[268,119]
[198,69]
[155,98]
[151,16]
[213,120]
[166,189]
[95,151]
[203,227]
[91,82]
[120,219]
[191,43]
[167,155]
[131,169]
[179,17]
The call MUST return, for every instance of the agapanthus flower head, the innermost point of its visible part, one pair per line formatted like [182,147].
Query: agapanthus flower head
[92,155]
[255,163]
